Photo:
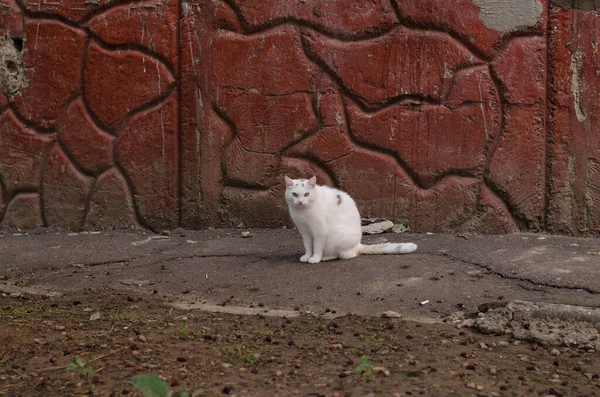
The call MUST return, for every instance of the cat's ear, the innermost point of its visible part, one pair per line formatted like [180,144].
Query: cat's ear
[313,181]
[288,181]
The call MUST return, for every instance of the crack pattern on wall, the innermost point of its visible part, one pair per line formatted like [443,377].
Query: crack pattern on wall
[92,140]
[157,113]
[420,112]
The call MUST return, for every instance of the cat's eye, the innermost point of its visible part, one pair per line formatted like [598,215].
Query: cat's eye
[306,194]
[295,194]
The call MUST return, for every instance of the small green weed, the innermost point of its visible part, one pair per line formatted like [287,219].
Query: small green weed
[153,386]
[124,315]
[185,332]
[21,310]
[365,367]
[375,343]
[241,353]
[6,274]
[80,364]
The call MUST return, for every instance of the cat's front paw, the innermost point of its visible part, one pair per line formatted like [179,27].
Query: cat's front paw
[314,259]
[304,258]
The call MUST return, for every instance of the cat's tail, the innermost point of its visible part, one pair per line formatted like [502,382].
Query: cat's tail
[387,248]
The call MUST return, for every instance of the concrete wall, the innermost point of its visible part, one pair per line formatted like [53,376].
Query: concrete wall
[469,115]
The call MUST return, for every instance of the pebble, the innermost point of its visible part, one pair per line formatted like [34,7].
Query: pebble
[493,371]
[246,234]
[278,373]
[143,338]
[555,352]
[391,314]
[483,345]
[95,316]
[382,370]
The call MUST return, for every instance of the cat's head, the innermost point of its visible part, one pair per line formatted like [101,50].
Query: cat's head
[300,193]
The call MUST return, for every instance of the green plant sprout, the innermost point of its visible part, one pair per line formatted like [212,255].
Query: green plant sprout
[80,364]
[365,367]
[153,386]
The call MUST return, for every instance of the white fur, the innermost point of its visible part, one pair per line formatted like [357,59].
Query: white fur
[329,223]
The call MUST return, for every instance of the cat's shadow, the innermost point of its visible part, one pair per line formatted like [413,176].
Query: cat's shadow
[294,259]
[283,259]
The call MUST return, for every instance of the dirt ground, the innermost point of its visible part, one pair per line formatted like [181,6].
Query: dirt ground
[212,354]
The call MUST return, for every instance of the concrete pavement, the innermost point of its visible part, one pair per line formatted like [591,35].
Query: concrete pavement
[221,267]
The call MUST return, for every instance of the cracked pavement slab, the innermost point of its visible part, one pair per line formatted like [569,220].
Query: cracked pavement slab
[219,267]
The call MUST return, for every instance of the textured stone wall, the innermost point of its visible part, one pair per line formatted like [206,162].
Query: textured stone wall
[574,117]
[468,115]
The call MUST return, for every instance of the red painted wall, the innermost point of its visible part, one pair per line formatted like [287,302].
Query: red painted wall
[158,114]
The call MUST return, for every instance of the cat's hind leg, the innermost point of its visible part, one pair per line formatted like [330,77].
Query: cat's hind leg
[349,253]
[329,257]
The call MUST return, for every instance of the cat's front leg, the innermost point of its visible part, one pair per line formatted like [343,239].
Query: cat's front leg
[318,248]
[308,247]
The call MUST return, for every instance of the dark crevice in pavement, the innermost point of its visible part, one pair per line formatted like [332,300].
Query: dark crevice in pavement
[111,262]
[155,251]
[535,288]
[195,256]
[490,270]
[252,258]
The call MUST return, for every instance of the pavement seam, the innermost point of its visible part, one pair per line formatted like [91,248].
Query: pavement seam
[523,279]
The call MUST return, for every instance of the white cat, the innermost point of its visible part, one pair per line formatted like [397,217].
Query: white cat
[329,223]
